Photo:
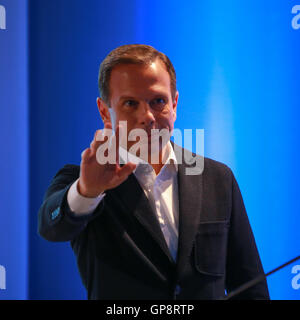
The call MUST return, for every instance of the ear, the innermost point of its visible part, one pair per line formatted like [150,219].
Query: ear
[175,101]
[103,110]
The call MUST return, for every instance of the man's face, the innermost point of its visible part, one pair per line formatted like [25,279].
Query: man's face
[141,96]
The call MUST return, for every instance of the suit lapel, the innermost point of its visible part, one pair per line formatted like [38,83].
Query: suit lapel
[138,204]
[190,189]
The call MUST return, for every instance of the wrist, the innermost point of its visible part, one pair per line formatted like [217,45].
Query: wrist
[83,191]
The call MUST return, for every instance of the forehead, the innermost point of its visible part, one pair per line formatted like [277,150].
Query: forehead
[139,80]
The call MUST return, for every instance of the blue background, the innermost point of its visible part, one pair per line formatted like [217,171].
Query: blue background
[238,67]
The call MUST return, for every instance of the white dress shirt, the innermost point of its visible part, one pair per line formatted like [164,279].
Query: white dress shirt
[161,191]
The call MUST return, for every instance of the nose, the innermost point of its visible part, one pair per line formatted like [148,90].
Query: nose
[146,116]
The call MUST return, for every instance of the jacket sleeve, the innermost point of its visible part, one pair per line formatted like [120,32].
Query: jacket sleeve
[243,261]
[56,221]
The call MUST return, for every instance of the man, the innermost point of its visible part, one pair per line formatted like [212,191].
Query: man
[144,229]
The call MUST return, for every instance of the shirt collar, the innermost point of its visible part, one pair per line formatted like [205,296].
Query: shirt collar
[168,158]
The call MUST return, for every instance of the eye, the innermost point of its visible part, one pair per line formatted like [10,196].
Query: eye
[130,103]
[158,103]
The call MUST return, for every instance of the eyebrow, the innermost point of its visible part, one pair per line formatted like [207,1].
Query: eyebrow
[157,95]
[127,98]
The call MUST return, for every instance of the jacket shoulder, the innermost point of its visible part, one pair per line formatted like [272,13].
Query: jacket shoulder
[216,165]
[210,167]
[68,170]
[217,170]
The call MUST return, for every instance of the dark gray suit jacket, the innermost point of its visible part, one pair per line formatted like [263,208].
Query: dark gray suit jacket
[121,252]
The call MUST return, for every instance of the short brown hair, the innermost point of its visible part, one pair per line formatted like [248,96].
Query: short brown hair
[132,54]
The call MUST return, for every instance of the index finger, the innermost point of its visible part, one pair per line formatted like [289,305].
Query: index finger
[121,138]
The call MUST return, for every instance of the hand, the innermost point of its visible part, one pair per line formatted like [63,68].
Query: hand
[95,178]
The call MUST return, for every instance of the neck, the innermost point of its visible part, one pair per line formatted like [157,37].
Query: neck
[157,167]
[161,160]
[158,161]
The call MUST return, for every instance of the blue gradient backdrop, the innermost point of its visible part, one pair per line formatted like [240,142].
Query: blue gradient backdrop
[238,69]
